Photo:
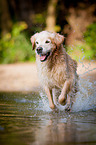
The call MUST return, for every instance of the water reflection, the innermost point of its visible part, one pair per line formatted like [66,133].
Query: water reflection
[23,120]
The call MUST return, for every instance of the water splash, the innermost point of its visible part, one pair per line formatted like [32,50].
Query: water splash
[44,105]
[85,97]
[87,68]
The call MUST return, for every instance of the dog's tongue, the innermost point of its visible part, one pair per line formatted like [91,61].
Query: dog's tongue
[42,57]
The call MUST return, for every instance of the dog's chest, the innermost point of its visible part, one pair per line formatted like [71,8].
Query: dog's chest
[51,78]
[45,75]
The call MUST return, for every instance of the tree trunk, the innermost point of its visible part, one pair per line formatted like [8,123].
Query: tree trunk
[6,22]
[51,15]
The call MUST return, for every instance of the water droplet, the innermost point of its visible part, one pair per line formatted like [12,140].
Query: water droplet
[83,57]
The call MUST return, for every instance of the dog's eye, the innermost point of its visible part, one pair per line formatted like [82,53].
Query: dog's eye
[47,41]
[37,42]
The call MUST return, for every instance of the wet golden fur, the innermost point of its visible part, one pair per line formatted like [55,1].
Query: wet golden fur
[58,71]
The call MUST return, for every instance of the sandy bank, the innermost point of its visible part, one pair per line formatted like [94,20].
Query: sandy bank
[23,76]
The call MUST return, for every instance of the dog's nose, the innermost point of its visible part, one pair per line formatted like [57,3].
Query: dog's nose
[39,50]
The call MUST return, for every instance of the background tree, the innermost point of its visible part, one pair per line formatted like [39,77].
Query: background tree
[6,22]
[51,15]
[20,19]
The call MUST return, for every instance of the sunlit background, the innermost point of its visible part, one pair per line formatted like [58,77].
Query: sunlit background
[25,116]
[20,19]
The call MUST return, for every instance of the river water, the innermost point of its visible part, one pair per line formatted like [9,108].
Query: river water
[26,119]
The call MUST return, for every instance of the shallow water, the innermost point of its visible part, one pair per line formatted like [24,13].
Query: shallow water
[26,119]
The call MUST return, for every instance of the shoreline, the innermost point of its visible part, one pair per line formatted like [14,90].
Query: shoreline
[23,76]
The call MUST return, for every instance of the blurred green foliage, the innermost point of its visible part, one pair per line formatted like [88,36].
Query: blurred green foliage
[38,22]
[90,38]
[87,49]
[15,47]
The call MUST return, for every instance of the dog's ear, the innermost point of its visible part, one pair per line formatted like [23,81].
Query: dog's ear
[59,39]
[33,38]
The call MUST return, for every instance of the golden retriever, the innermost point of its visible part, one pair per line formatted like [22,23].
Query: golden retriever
[56,69]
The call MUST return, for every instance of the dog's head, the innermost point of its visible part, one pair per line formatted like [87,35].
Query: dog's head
[45,43]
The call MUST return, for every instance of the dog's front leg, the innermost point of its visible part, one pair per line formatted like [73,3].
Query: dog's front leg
[49,95]
[64,92]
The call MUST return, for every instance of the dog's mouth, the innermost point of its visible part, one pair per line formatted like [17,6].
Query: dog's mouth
[43,57]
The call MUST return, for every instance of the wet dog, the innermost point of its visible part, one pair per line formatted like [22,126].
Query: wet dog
[56,69]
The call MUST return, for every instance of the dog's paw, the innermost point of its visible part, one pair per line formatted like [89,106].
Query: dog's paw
[52,106]
[68,107]
[62,100]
